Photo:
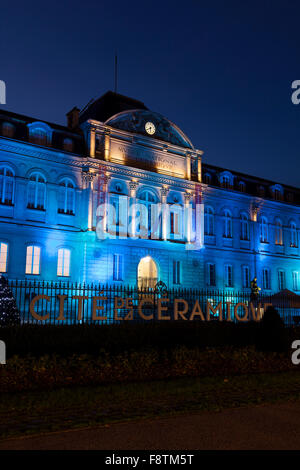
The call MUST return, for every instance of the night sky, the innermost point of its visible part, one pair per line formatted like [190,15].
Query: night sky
[221,70]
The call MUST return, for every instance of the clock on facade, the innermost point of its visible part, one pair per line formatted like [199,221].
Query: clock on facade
[150,128]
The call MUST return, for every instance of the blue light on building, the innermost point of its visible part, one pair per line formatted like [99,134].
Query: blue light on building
[120,155]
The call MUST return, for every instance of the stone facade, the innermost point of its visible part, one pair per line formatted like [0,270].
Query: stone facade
[54,178]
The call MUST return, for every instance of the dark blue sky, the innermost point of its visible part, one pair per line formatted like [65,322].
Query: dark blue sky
[221,70]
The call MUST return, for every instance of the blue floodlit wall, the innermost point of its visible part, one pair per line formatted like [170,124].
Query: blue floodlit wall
[92,259]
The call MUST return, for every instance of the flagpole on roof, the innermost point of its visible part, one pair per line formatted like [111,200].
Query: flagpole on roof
[116,72]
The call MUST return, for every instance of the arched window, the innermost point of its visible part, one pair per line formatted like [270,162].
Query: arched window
[8,129]
[66,199]
[244,227]
[40,133]
[7,186]
[294,238]
[227,224]
[147,273]
[278,232]
[147,196]
[264,230]
[148,199]
[36,192]
[209,225]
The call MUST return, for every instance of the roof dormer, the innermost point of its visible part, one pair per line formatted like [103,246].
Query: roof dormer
[40,133]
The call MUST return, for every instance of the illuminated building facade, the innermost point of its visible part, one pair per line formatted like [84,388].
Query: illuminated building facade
[143,170]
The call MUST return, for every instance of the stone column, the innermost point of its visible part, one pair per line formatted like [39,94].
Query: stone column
[188,197]
[106,146]
[87,179]
[92,142]
[165,213]
[105,181]
[188,165]
[199,166]
[133,185]
[199,216]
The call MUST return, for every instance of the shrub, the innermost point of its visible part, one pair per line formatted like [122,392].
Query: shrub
[52,371]
[9,314]
[273,335]
[65,340]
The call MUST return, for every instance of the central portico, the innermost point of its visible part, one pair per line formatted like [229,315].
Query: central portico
[147,173]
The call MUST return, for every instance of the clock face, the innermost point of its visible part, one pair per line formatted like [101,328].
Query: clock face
[150,128]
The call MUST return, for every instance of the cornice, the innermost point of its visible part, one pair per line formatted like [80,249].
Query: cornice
[143,139]
[27,150]
[233,195]
[142,174]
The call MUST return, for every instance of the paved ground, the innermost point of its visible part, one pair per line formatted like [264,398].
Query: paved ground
[273,426]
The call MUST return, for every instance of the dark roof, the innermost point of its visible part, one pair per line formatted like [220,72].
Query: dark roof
[27,120]
[108,105]
[206,167]
[252,183]
[21,121]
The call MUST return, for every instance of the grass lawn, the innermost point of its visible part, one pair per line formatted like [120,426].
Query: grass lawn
[41,411]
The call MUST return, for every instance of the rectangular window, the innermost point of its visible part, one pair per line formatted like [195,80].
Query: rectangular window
[117,267]
[295,280]
[174,222]
[266,279]
[228,275]
[246,277]
[264,235]
[281,280]
[115,212]
[33,260]
[63,262]
[211,274]
[113,217]
[3,257]
[176,272]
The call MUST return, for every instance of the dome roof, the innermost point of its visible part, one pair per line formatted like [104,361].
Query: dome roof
[135,120]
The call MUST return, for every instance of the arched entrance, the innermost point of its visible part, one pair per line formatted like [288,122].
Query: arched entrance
[147,273]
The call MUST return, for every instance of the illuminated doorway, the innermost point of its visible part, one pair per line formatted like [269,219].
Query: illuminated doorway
[147,273]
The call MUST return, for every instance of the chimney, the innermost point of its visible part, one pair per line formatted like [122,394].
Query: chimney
[73,118]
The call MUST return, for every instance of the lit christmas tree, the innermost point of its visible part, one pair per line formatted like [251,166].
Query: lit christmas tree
[9,314]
